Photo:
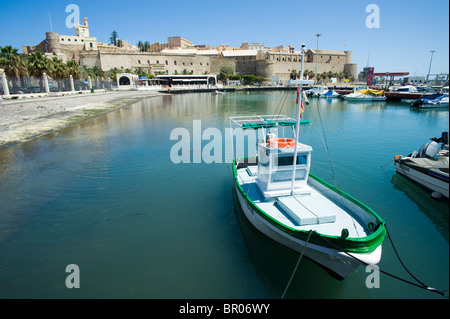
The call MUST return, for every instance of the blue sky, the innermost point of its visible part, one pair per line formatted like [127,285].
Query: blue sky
[408,30]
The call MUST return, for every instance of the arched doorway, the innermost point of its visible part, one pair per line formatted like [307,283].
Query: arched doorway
[124,80]
[211,81]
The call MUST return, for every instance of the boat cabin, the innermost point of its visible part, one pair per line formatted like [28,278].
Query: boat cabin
[276,164]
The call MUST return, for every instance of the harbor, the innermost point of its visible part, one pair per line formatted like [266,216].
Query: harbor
[217,160]
[102,211]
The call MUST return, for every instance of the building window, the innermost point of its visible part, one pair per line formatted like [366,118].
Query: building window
[201,63]
[207,63]
[148,61]
[157,61]
[139,61]
[75,40]
[191,63]
[62,39]
[167,62]
[184,63]
[68,39]
[174,62]
[91,45]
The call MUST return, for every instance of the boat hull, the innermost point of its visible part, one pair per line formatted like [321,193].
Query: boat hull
[428,182]
[339,263]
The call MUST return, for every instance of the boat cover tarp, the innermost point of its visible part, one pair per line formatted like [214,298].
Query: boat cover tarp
[268,124]
[437,97]
[368,91]
[258,125]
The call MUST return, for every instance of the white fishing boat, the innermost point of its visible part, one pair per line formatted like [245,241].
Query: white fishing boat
[283,200]
[428,167]
[366,95]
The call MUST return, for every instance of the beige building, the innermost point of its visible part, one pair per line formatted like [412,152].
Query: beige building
[179,42]
[180,56]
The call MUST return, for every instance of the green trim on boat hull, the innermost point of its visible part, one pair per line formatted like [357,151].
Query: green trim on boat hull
[352,245]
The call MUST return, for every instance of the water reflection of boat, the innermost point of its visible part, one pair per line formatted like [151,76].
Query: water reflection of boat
[436,211]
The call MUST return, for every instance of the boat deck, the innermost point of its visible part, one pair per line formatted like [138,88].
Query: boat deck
[304,211]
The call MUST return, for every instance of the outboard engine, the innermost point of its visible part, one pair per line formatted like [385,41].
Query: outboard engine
[443,139]
[429,150]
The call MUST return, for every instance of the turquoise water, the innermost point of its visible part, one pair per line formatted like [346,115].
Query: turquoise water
[105,195]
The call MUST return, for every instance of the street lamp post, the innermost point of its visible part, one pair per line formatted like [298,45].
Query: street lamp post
[317,49]
[429,68]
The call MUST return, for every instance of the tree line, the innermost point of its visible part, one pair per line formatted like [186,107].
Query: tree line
[323,76]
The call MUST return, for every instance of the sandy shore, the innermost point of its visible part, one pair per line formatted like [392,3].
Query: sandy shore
[23,120]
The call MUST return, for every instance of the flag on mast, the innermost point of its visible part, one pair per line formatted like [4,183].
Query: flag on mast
[302,107]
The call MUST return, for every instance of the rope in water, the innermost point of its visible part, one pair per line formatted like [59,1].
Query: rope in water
[420,283]
[296,266]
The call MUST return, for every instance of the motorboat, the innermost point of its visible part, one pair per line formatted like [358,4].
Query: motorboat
[432,101]
[317,91]
[330,94]
[366,95]
[428,167]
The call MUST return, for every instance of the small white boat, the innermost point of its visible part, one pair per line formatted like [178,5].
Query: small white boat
[403,89]
[366,95]
[317,91]
[217,92]
[281,199]
[330,94]
[428,167]
[432,101]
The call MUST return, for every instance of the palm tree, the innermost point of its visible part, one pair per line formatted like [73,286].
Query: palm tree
[140,45]
[113,73]
[225,73]
[294,74]
[319,77]
[73,69]
[13,64]
[330,75]
[58,71]
[324,77]
[114,37]
[146,46]
[38,64]
[340,76]
[97,72]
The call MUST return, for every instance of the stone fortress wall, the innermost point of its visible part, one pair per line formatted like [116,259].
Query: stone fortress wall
[280,61]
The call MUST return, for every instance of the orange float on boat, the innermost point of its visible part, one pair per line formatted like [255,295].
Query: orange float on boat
[281,142]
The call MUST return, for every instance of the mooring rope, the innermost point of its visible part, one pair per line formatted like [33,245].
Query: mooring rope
[296,266]
[420,285]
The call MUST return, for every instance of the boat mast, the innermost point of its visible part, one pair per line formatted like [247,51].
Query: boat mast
[297,127]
